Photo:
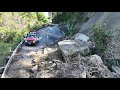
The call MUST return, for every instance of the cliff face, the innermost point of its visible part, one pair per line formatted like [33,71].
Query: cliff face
[111,20]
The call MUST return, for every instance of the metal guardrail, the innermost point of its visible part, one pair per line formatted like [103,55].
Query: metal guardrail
[11,58]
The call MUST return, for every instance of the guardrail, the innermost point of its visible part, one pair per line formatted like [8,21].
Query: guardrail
[11,58]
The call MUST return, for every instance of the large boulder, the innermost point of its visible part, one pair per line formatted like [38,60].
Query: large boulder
[50,35]
[93,67]
[69,48]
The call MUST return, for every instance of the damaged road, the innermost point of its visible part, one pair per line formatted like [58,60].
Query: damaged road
[51,62]
[69,58]
[44,65]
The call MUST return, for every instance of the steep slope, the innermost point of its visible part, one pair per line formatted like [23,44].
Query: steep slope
[111,20]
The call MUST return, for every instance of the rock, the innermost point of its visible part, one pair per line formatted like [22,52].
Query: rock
[91,44]
[43,62]
[50,62]
[83,75]
[58,61]
[35,68]
[93,67]
[82,37]
[24,74]
[37,61]
[53,65]
[95,59]
[69,48]
[49,50]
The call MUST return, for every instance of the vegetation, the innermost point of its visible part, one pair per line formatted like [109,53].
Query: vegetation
[13,26]
[69,19]
[100,38]
[113,62]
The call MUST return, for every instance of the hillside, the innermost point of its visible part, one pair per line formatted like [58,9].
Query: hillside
[80,45]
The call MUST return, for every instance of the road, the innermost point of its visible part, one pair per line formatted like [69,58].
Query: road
[22,67]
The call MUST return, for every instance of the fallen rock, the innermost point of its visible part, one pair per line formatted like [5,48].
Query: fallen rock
[37,61]
[53,65]
[49,50]
[50,62]
[83,75]
[81,37]
[70,48]
[35,68]
[95,59]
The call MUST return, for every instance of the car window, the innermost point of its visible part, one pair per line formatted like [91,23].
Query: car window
[31,35]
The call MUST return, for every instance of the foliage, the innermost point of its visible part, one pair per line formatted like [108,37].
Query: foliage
[67,18]
[113,62]
[100,38]
[13,26]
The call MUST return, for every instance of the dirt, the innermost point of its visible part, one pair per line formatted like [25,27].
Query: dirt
[22,66]
[36,62]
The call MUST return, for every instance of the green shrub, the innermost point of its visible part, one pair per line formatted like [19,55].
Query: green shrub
[71,28]
[100,38]
[110,63]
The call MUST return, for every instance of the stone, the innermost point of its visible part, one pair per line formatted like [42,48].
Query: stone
[35,68]
[50,62]
[83,75]
[37,61]
[81,37]
[70,48]
[95,59]
[53,65]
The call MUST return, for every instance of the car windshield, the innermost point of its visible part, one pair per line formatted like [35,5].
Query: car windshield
[31,35]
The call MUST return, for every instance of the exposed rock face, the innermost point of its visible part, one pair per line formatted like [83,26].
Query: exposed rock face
[111,20]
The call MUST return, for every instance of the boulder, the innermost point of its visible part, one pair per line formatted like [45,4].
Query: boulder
[69,48]
[81,37]
[95,59]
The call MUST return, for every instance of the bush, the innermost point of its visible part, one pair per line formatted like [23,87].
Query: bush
[100,38]
[71,28]
[110,63]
